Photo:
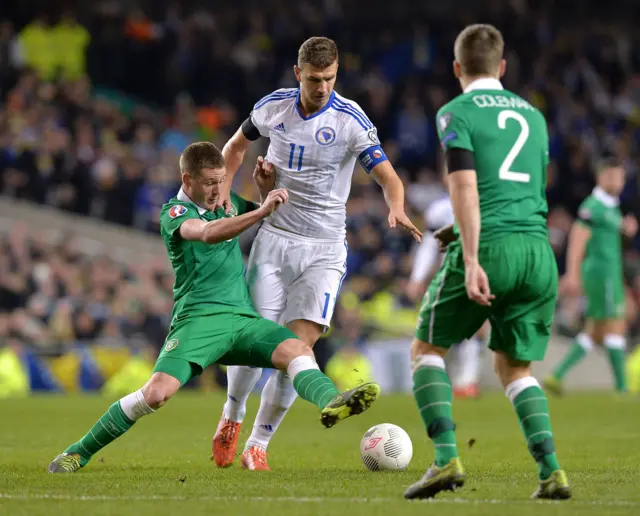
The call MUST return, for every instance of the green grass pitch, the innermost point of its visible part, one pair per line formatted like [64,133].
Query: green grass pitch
[162,465]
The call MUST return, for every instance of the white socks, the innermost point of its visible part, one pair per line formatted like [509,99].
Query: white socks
[612,341]
[427,361]
[135,406]
[585,342]
[517,386]
[240,382]
[468,357]
[277,397]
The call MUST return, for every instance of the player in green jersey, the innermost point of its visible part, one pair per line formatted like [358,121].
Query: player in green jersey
[500,267]
[594,265]
[213,319]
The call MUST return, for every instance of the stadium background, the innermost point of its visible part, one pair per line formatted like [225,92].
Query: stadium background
[100,97]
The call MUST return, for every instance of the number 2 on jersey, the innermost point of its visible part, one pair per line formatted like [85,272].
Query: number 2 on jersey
[292,155]
[504,173]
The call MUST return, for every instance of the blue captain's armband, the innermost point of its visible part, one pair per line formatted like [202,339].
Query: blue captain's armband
[371,157]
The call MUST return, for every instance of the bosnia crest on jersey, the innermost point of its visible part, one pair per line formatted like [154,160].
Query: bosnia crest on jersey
[176,210]
[325,136]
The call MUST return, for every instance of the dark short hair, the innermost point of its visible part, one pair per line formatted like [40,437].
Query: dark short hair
[479,49]
[606,163]
[319,52]
[200,155]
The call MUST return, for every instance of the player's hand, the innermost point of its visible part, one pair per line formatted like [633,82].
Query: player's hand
[629,226]
[273,201]
[224,199]
[264,175]
[415,290]
[477,284]
[400,217]
[445,236]
[570,285]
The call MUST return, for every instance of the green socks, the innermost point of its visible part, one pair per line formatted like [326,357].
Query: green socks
[616,345]
[116,421]
[109,427]
[314,386]
[578,351]
[532,409]
[433,395]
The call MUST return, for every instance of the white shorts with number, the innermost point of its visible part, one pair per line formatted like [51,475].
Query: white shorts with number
[291,278]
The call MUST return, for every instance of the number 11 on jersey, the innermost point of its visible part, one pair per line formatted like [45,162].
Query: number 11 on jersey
[292,154]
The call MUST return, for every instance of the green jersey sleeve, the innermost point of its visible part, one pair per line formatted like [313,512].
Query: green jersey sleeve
[242,205]
[586,213]
[453,127]
[173,215]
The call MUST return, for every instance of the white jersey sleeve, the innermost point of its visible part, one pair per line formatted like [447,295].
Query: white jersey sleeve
[362,135]
[439,214]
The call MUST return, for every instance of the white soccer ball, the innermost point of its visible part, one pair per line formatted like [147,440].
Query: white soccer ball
[386,447]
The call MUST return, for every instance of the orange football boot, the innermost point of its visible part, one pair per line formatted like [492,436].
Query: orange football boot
[225,441]
[470,391]
[255,459]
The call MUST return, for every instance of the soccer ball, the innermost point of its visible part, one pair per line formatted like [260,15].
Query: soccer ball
[386,447]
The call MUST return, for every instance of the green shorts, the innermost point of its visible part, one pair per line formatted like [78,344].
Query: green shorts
[229,339]
[523,276]
[605,297]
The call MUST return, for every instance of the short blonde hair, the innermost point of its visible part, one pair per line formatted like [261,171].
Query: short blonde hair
[479,49]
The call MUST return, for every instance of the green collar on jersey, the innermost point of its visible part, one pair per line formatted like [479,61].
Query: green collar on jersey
[484,83]
[182,196]
[607,199]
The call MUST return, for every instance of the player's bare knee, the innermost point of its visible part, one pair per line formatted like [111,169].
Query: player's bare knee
[596,331]
[307,331]
[288,350]
[615,327]
[159,389]
[419,347]
[510,369]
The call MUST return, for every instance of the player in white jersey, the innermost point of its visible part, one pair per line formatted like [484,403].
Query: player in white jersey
[427,260]
[298,259]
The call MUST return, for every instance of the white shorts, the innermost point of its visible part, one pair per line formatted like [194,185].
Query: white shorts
[292,278]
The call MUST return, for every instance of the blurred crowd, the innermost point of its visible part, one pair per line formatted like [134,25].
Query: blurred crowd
[54,296]
[98,103]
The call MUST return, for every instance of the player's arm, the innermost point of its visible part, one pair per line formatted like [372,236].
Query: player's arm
[216,231]
[233,153]
[579,237]
[235,149]
[385,175]
[463,189]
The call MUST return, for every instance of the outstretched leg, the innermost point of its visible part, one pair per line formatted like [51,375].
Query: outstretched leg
[117,420]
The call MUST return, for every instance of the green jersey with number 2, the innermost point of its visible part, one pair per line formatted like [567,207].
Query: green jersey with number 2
[509,141]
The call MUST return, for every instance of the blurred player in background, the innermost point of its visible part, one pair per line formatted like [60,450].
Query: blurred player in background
[595,267]
[298,259]
[427,261]
[496,152]
[213,318]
